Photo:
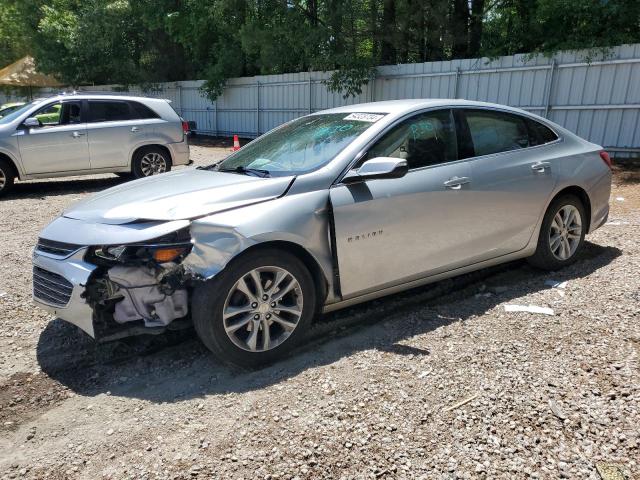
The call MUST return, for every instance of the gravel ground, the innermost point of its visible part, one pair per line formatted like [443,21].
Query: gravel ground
[440,382]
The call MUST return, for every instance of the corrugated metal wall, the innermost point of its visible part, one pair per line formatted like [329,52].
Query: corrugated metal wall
[598,97]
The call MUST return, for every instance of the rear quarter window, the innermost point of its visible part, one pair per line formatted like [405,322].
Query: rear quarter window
[539,134]
[140,111]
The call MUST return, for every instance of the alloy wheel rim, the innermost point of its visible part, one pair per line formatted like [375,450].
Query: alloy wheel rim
[3,179]
[153,164]
[263,309]
[565,232]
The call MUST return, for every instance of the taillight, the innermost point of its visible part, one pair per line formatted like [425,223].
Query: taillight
[606,158]
[185,127]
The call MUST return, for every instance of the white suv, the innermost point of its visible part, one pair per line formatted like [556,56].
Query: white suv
[82,134]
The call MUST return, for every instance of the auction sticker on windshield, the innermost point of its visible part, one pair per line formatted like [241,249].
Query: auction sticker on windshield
[364,117]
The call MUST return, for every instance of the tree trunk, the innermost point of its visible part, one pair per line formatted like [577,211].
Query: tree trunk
[388,48]
[460,29]
[475,27]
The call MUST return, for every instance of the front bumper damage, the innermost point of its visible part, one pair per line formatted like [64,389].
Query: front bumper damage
[50,293]
[109,301]
[113,302]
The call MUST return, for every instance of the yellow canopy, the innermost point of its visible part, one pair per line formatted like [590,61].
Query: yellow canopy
[23,74]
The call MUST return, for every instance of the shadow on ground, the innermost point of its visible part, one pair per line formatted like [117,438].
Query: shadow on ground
[175,366]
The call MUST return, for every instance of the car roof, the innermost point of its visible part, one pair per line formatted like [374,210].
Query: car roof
[409,105]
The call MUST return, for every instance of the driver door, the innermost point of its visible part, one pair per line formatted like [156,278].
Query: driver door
[59,144]
[392,231]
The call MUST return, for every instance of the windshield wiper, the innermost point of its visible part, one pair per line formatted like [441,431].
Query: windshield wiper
[247,171]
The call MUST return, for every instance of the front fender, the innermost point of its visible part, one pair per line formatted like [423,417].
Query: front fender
[13,154]
[299,219]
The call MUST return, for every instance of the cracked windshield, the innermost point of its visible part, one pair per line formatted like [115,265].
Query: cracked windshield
[300,146]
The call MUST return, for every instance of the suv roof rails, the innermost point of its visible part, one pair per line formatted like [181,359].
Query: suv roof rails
[101,92]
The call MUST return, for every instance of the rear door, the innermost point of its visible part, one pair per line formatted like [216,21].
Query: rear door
[511,165]
[114,129]
[59,144]
[390,231]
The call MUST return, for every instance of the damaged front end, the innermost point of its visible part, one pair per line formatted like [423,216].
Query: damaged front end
[139,288]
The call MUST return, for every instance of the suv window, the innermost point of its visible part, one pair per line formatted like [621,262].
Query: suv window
[494,132]
[108,111]
[425,139]
[140,111]
[59,113]
[539,134]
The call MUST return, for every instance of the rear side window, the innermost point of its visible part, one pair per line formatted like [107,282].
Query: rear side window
[104,111]
[495,132]
[140,111]
[539,134]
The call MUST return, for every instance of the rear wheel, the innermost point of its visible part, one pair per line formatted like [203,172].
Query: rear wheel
[150,161]
[7,177]
[561,234]
[256,310]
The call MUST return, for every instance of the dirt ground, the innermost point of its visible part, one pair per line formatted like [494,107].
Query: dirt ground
[440,382]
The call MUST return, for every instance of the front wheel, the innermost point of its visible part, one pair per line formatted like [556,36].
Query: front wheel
[7,176]
[150,161]
[255,310]
[561,234]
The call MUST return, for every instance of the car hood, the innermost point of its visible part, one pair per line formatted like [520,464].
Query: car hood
[180,195]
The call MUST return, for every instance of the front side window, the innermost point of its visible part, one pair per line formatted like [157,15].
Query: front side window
[59,113]
[494,132]
[423,140]
[300,146]
[106,111]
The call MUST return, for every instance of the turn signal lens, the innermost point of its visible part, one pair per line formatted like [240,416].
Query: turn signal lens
[163,255]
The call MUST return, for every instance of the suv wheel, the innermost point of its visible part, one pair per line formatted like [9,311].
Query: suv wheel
[7,176]
[150,161]
[255,310]
[561,234]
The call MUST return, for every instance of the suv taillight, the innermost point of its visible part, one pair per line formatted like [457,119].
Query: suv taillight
[185,126]
[606,158]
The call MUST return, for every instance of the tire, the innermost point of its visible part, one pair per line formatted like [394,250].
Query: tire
[7,177]
[567,242]
[226,291]
[149,161]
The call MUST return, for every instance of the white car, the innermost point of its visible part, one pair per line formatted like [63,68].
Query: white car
[81,134]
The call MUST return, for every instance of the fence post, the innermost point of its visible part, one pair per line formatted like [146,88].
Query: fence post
[547,100]
[310,92]
[257,109]
[457,80]
[215,116]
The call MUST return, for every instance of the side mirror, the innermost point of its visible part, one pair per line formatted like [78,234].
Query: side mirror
[31,122]
[378,168]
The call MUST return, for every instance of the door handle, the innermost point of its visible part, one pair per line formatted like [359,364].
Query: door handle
[77,134]
[135,129]
[456,183]
[540,166]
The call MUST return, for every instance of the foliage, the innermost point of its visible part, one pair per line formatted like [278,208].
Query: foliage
[144,41]
[350,81]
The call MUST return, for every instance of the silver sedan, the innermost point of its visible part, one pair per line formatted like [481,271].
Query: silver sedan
[326,211]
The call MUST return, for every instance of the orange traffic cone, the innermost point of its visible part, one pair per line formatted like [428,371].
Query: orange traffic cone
[236,143]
